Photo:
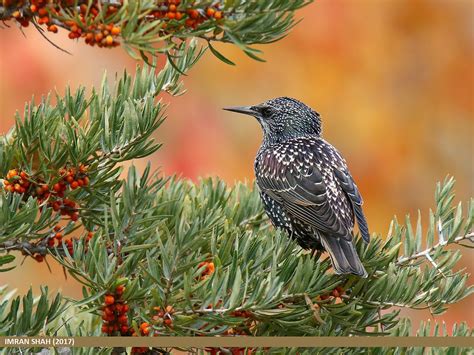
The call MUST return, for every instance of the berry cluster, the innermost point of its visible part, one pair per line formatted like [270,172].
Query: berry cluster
[209,269]
[139,350]
[56,239]
[50,13]
[170,10]
[93,21]
[164,316]
[71,178]
[144,331]
[100,34]
[16,182]
[337,293]
[196,17]
[114,315]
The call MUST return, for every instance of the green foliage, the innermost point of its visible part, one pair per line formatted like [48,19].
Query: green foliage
[197,258]
[99,131]
[28,315]
[257,269]
[144,27]
[157,236]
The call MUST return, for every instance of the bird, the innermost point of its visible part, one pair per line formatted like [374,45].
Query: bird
[305,184]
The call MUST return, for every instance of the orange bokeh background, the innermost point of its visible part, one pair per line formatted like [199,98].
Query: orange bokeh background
[393,81]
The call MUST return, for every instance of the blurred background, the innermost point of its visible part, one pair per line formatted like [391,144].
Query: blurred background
[393,81]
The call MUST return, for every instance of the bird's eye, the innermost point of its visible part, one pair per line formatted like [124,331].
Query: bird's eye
[266,111]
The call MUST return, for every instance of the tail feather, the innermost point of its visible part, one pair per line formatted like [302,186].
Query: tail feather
[344,257]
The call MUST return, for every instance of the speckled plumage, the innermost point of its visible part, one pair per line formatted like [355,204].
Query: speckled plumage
[305,184]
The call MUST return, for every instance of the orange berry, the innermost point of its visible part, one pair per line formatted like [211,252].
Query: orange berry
[172,7]
[218,15]
[210,12]
[53,28]
[210,267]
[109,300]
[109,40]
[108,310]
[171,15]
[16,14]
[43,11]
[179,16]
[75,217]
[12,173]
[119,289]
[115,30]
[33,8]
[74,185]
[194,14]
[123,319]
[39,258]
[69,179]
[168,321]
[57,187]
[108,317]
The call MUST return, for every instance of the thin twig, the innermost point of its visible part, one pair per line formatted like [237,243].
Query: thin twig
[424,253]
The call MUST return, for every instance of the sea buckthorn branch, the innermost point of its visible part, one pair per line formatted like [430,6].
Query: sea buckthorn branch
[150,27]
[193,268]
[29,315]
[76,146]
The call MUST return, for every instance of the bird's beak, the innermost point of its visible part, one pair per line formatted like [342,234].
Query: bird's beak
[246,110]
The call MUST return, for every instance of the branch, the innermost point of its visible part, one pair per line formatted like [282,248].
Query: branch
[426,253]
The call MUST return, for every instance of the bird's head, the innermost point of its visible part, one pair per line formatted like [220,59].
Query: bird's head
[283,118]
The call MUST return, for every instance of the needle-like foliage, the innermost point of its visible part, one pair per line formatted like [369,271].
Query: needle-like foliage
[152,27]
[201,258]
[161,256]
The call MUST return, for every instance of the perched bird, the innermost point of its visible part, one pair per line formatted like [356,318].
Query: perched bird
[304,182]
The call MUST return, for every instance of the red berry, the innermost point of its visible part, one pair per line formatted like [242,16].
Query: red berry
[109,300]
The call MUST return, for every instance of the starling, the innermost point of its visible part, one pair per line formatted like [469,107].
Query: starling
[305,184]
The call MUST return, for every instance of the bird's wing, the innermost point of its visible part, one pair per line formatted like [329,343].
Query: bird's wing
[300,175]
[348,185]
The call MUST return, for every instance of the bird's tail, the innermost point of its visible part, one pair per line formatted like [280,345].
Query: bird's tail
[344,257]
